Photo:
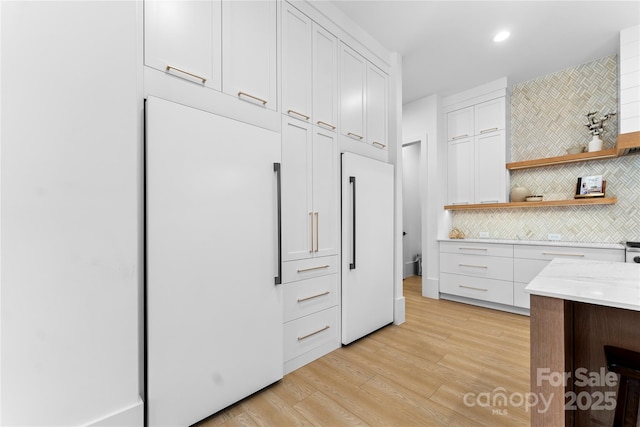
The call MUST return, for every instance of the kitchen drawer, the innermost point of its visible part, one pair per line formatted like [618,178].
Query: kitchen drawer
[309,296]
[524,270]
[520,296]
[551,252]
[307,333]
[489,267]
[499,291]
[488,249]
[308,268]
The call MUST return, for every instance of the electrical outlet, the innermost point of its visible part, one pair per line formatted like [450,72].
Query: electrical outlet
[484,234]
[555,236]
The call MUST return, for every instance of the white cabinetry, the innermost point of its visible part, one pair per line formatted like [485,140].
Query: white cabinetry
[477,271]
[477,153]
[629,101]
[497,273]
[309,190]
[529,260]
[363,99]
[249,54]
[183,39]
[309,70]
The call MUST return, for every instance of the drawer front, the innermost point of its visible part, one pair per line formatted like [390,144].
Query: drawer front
[308,268]
[551,252]
[499,291]
[488,267]
[520,296]
[309,296]
[309,332]
[487,249]
[524,270]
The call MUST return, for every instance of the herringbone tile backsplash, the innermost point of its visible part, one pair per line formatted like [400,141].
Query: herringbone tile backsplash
[548,116]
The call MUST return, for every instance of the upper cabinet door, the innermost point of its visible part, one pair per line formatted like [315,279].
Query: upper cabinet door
[296,63]
[377,102]
[460,159]
[325,78]
[352,92]
[249,53]
[489,116]
[460,124]
[490,172]
[183,38]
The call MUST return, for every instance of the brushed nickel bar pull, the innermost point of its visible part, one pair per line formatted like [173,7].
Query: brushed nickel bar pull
[489,201]
[488,130]
[354,135]
[313,333]
[562,254]
[460,137]
[379,143]
[472,249]
[304,116]
[329,125]
[263,101]
[322,267]
[313,296]
[311,230]
[475,289]
[171,67]
[460,203]
[474,266]
[317,231]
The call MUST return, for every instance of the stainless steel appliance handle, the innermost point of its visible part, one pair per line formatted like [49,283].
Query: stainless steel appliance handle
[276,169]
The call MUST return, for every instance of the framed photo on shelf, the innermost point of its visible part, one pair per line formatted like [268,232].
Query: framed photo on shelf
[590,186]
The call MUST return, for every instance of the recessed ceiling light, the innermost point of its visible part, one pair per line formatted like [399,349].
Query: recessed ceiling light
[501,36]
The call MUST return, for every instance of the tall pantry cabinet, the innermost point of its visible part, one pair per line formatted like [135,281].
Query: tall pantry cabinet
[310,189]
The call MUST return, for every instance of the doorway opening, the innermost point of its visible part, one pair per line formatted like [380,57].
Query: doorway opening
[411,210]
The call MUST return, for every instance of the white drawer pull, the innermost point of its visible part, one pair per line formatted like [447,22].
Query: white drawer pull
[475,289]
[313,296]
[322,267]
[561,254]
[474,266]
[313,333]
[472,249]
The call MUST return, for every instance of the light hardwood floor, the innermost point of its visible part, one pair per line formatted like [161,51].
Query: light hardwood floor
[414,374]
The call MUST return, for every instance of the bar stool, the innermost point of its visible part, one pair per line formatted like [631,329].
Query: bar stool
[627,364]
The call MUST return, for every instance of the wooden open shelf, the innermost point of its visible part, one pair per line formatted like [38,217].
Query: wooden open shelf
[624,142]
[570,202]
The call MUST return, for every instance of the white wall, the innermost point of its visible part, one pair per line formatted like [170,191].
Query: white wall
[422,120]
[69,143]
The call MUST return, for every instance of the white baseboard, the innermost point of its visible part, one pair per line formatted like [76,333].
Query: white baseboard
[131,416]
[399,316]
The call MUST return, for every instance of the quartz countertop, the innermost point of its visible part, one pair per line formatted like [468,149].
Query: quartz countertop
[541,243]
[612,284]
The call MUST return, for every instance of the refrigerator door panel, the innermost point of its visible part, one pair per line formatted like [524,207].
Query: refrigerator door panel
[367,274]
[214,314]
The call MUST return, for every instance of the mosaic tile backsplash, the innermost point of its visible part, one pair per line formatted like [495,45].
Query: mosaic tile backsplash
[547,116]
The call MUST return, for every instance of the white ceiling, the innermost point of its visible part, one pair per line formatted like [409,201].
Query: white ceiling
[447,47]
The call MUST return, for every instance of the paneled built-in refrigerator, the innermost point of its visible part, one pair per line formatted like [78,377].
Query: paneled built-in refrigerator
[213,300]
[367,245]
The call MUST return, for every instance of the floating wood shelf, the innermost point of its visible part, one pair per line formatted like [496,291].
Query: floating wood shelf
[624,144]
[570,202]
[569,158]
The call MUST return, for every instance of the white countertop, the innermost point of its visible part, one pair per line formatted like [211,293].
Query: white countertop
[612,284]
[541,243]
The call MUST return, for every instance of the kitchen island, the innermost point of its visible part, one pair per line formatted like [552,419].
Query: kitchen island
[578,307]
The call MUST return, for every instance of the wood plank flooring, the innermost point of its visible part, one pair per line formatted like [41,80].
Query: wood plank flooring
[414,374]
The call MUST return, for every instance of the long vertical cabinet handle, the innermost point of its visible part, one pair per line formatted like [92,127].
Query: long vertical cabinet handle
[276,169]
[352,180]
[317,231]
[311,231]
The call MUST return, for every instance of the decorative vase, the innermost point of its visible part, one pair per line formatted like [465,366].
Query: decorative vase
[518,194]
[595,144]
